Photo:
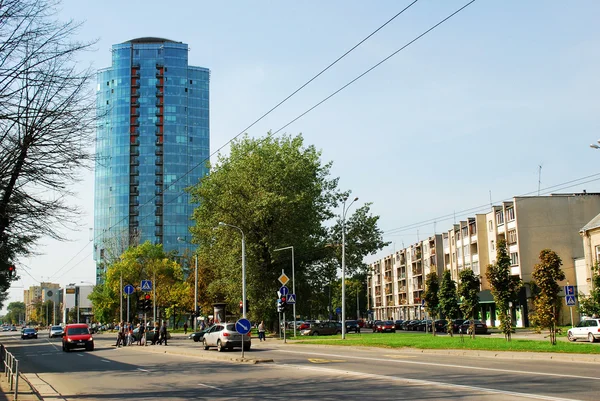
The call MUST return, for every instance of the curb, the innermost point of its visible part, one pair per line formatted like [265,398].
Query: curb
[209,356]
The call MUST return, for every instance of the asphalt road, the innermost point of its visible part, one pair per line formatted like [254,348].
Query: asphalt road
[299,372]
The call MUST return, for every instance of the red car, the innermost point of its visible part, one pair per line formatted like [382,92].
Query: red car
[306,325]
[384,326]
[77,336]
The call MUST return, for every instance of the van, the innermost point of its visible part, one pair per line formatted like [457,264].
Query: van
[77,335]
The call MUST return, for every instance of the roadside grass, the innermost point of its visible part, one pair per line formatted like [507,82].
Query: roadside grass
[482,343]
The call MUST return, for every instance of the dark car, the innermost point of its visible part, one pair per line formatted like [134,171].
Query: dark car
[323,328]
[456,323]
[352,325]
[384,327]
[440,325]
[480,327]
[28,333]
[398,324]
[198,336]
[411,325]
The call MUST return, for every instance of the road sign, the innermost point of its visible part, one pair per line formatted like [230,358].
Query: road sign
[283,279]
[291,299]
[128,289]
[243,326]
[423,302]
[284,290]
[146,285]
[338,310]
[570,299]
[569,290]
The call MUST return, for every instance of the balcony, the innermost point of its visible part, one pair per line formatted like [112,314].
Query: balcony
[159,141]
[158,211]
[417,271]
[134,131]
[158,181]
[158,161]
[158,171]
[135,113]
[158,191]
[158,232]
[134,181]
[135,74]
[160,65]
[135,83]
[134,202]
[133,221]
[160,83]
[135,103]
[135,122]
[134,151]
[134,211]
[160,74]
[134,161]
[158,151]
[134,171]
[134,191]
[158,94]
[402,289]
[158,201]
[158,112]
[159,103]
[159,122]
[158,222]
[158,131]
[135,93]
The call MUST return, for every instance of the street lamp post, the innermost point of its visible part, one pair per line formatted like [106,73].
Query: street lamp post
[293,282]
[344,210]
[195,286]
[243,266]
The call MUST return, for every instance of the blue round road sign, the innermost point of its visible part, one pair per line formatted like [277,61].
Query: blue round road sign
[128,289]
[338,310]
[284,290]
[243,326]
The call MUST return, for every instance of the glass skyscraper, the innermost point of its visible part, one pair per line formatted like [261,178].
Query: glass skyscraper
[152,132]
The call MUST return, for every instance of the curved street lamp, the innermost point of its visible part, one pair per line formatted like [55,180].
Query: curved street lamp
[243,265]
[344,210]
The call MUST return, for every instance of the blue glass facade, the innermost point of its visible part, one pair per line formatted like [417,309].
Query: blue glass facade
[153,129]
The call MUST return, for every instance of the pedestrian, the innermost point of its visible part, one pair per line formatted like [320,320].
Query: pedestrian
[261,331]
[163,333]
[120,337]
[185,326]
[142,336]
[130,335]
[155,336]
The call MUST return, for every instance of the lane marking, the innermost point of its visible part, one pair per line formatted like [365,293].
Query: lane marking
[206,385]
[143,370]
[79,354]
[418,382]
[317,360]
[400,356]
[445,365]
[105,360]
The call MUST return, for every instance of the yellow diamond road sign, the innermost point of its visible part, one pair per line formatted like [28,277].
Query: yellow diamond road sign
[283,279]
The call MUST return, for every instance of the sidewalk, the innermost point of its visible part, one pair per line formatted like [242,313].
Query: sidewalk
[26,393]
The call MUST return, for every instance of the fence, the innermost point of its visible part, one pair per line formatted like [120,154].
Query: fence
[11,369]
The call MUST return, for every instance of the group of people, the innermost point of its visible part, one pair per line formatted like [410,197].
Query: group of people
[126,336]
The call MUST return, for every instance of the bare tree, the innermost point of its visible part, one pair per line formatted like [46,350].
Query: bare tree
[47,115]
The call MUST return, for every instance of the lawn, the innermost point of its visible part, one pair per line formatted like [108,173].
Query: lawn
[484,343]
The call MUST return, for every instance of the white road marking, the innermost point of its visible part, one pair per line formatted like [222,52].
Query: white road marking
[445,365]
[418,382]
[104,360]
[206,385]
[143,370]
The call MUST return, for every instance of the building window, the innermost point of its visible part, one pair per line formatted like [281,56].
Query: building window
[499,218]
[453,257]
[510,214]
[492,245]
[597,253]
[467,250]
[512,237]
[514,258]
[491,225]
[458,235]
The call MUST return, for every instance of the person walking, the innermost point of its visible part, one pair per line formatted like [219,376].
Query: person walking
[163,333]
[185,327]
[156,334]
[261,331]
[142,333]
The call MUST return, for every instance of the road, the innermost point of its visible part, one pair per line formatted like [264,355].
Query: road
[299,372]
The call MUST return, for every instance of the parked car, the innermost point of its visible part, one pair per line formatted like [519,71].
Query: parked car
[422,325]
[323,329]
[13,328]
[352,325]
[440,325]
[225,336]
[410,325]
[361,323]
[306,325]
[456,323]
[480,327]
[56,331]
[29,333]
[384,326]
[197,336]
[588,329]
[398,324]
[77,335]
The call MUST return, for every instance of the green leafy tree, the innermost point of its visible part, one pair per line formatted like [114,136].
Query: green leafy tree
[468,292]
[106,303]
[546,302]
[431,296]
[504,287]
[448,299]
[16,312]
[589,305]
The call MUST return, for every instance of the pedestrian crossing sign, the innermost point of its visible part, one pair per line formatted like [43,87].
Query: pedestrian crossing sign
[146,285]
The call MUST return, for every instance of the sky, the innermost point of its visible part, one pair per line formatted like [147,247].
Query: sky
[463,116]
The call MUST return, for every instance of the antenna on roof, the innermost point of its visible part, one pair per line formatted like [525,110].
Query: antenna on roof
[491,203]
[539,178]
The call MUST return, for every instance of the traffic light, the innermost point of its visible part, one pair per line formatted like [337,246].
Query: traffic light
[11,271]
[279,308]
[198,311]
[283,301]
[140,304]
[147,303]
[241,307]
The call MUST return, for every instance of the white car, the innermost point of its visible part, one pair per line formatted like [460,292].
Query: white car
[588,329]
[56,331]
[224,336]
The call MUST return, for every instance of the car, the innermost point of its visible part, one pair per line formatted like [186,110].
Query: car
[306,325]
[352,325]
[455,324]
[13,328]
[29,333]
[55,331]
[384,326]
[409,325]
[440,325]
[398,324]
[77,335]
[323,329]
[588,329]
[198,336]
[225,336]
[480,327]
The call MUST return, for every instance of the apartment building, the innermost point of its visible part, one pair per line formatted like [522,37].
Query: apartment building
[527,224]
[590,234]
[37,294]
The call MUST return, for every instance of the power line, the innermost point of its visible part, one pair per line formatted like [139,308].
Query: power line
[250,126]
[70,260]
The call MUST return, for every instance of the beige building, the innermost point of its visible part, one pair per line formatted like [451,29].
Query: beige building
[528,224]
[590,234]
[37,293]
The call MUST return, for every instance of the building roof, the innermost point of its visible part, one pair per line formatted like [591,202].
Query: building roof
[594,223]
[149,39]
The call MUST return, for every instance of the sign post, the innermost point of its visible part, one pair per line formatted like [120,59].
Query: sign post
[570,298]
[243,327]
[128,290]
